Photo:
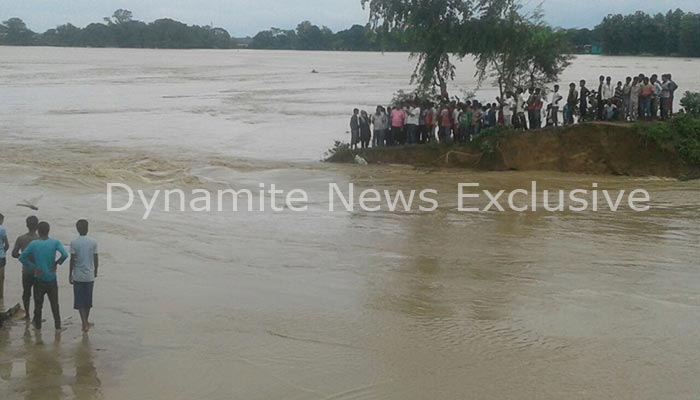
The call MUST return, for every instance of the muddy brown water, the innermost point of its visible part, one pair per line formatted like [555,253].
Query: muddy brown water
[321,305]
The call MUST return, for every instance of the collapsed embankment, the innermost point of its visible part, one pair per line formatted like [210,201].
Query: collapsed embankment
[592,148]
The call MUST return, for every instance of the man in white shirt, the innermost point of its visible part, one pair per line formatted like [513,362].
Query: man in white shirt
[508,106]
[608,90]
[83,271]
[412,121]
[521,123]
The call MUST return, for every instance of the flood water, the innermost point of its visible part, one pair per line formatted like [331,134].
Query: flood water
[318,304]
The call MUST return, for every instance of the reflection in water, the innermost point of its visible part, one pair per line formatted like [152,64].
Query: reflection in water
[87,383]
[33,367]
[44,372]
[5,362]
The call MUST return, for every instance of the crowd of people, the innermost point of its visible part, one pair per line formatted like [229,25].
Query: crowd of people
[40,256]
[638,98]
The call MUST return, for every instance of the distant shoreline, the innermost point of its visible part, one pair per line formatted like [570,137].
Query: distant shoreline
[312,51]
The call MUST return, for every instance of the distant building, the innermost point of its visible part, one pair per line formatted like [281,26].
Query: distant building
[588,49]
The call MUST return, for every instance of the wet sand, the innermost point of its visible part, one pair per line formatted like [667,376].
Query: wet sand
[346,305]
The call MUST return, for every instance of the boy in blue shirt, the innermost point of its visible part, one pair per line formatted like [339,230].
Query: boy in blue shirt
[40,256]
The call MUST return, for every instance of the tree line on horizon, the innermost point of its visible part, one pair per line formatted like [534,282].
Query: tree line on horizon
[120,30]
[675,33]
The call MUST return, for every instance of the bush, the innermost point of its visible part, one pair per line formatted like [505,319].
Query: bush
[691,103]
[682,133]
[340,152]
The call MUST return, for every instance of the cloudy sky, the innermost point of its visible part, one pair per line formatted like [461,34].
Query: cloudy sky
[247,17]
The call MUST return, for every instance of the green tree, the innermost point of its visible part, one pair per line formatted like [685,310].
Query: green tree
[430,28]
[120,16]
[274,38]
[357,38]
[689,35]
[97,35]
[62,35]
[311,37]
[517,50]
[16,33]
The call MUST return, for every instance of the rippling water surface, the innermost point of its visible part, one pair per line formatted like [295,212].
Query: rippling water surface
[319,305]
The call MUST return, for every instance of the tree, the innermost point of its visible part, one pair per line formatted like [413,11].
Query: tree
[97,35]
[15,32]
[518,51]
[120,16]
[274,38]
[62,35]
[311,37]
[357,38]
[675,33]
[689,36]
[430,27]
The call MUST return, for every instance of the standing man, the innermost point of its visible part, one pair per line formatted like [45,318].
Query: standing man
[635,93]
[531,108]
[83,271]
[656,97]
[537,111]
[397,119]
[27,272]
[40,255]
[626,96]
[556,100]
[4,247]
[508,107]
[521,123]
[646,94]
[601,97]
[445,124]
[673,86]
[665,97]
[571,104]
[608,90]
[412,123]
[380,121]
[355,128]
[583,101]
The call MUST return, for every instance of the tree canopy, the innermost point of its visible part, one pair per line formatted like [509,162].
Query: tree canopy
[120,30]
[518,50]
[430,26]
[515,50]
[673,33]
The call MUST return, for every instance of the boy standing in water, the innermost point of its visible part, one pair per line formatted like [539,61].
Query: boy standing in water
[40,256]
[27,273]
[83,269]
[4,246]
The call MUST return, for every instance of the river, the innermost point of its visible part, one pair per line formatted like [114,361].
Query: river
[319,304]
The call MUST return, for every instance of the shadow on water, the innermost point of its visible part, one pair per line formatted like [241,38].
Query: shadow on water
[41,365]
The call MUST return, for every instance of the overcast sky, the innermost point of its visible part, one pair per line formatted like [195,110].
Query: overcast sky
[247,17]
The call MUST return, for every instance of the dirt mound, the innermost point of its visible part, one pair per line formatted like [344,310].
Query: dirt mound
[593,148]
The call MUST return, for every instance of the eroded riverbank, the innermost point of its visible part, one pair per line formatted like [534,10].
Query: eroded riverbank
[592,148]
